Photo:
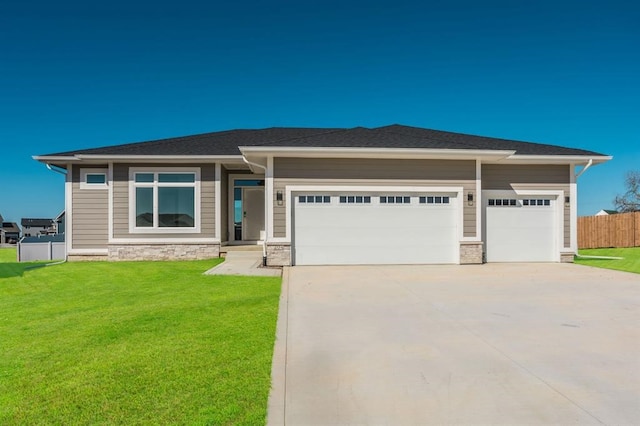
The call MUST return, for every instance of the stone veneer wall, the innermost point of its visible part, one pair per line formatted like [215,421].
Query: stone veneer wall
[278,255]
[471,252]
[163,251]
[86,258]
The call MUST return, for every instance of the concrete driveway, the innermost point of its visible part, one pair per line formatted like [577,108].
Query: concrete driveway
[486,344]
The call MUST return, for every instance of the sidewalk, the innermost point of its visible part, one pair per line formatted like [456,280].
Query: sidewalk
[244,263]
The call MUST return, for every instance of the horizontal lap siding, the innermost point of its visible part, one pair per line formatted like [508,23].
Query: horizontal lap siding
[543,177]
[121,201]
[372,172]
[90,209]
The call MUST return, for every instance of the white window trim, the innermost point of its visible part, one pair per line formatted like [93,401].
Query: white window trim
[157,170]
[83,178]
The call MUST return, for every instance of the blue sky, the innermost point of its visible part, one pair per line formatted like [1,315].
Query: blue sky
[87,74]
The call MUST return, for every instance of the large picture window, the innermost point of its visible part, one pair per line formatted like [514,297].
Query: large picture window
[165,200]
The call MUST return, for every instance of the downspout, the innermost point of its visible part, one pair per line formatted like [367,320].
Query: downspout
[266,231]
[57,170]
[584,169]
[62,172]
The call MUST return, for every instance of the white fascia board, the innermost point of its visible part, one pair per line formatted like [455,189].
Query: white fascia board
[89,158]
[554,159]
[162,158]
[374,153]
[54,158]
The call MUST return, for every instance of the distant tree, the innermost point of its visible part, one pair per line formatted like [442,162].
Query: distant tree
[630,200]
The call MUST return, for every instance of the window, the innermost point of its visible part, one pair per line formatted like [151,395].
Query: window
[434,199]
[165,200]
[503,202]
[355,199]
[314,199]
[93,178]
[390,199]
[541,202]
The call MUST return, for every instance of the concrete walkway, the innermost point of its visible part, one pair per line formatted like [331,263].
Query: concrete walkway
[243,263]
[487,344]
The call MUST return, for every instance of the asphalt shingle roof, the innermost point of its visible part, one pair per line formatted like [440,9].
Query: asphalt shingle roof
[394,136]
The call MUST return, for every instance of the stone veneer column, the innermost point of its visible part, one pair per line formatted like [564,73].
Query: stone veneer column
[278,254]
[471,252]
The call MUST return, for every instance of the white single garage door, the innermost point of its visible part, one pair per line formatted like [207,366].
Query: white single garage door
[520,229]
[371,228]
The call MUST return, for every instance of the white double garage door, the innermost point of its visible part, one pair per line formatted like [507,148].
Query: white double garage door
[384,227]
[352,227]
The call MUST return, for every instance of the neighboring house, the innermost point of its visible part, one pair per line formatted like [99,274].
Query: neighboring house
[59,223]
[36,227]
[2,237]
[11,232]
[605,212]
[394,194]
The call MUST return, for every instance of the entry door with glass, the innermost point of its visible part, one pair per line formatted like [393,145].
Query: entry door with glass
[248,203]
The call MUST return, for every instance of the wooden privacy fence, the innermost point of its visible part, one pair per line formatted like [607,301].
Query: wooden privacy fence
[616,230]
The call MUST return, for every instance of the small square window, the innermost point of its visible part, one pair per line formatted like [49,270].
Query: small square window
[367,199]
[492,202]
[391,200]
[438,200]
[351,199]
[430,200]
[383,200]
[512,202]
[540,202]
[407,200]
[302,199]
[318,198]
[547,202]
[343,199]
[423,200]
[96,178]
[445,200]
[326,199]
[525,202]
[310,199]
[359,199]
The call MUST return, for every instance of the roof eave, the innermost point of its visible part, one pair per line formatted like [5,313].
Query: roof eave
[93,158]
[556,159]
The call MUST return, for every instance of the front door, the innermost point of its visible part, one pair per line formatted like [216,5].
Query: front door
[252,212]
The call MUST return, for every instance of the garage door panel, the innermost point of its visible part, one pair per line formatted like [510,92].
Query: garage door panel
[375,234]
[521,233]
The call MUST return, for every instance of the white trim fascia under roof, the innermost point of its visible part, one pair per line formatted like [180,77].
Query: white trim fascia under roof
[365,152]
[553,159]
[143,158]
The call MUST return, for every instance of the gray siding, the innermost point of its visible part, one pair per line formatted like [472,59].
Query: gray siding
[224,204]
[90,207]
[312,171]
[121,201]
[517,176]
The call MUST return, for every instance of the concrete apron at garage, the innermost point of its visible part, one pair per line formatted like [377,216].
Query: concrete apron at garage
[490,344]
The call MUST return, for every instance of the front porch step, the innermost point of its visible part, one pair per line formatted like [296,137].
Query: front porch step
[247,247]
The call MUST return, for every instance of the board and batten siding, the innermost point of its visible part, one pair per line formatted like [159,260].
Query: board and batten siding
[121,201]
[532,176]
[90,207]
[372,172]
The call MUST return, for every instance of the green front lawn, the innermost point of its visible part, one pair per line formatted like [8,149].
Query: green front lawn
[630,263]
[129,343]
